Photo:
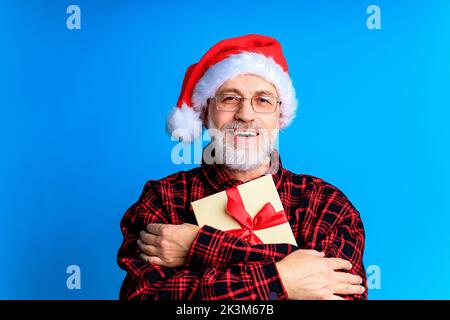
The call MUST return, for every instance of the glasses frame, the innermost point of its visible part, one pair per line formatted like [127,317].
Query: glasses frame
[239,105]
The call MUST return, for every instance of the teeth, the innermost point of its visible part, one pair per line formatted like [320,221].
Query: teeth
[245,133]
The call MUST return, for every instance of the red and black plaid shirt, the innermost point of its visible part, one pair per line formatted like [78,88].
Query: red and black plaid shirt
[221,265]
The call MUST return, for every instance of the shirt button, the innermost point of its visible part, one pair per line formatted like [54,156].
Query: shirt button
[273,296]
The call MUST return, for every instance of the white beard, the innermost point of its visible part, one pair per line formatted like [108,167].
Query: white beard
[240,156]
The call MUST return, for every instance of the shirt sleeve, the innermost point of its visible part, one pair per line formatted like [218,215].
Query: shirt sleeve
[213,247]
[348,244]
[258,280]
[146,281]
[340,234]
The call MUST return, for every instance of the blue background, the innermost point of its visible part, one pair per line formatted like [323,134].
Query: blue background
[82,115]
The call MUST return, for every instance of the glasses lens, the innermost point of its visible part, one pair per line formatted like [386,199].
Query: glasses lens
[228,102]
[261,104]
[264,104]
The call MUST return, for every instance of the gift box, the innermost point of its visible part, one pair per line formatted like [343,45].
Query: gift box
[252,211]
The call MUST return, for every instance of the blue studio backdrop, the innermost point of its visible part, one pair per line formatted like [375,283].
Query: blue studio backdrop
[82,127]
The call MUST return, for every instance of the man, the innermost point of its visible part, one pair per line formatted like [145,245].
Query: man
[241,91]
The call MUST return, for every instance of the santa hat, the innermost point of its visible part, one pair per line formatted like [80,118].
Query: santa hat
[249,54]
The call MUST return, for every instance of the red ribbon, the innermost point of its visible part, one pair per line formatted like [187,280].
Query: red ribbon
[265,218]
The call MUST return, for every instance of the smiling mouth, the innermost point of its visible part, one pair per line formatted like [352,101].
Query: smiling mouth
[245,133]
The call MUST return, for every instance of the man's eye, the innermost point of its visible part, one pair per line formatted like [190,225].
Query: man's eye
[264,100]
[230,99]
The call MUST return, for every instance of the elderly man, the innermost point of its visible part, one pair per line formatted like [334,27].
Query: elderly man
[241,91]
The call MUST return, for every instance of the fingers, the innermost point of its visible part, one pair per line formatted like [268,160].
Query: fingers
[154,228]
[152,259]
[150,239]
[312,252]
[147,248]
[345,288]
[347,278]
[339,264]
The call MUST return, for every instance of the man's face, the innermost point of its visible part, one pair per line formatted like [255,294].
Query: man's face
[244,137]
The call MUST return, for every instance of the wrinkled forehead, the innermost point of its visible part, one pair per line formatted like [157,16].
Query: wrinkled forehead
[247,85]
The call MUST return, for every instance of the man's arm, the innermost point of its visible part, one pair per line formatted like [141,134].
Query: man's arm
[339,234]
[348,244]
[213,247]
[307,277]
[147,280]
[307,273]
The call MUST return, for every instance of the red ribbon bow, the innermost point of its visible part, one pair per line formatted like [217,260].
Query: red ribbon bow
[265,218]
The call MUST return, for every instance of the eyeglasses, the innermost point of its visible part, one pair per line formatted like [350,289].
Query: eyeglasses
[260,103]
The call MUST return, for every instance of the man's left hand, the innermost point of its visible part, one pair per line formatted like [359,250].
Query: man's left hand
[167,244]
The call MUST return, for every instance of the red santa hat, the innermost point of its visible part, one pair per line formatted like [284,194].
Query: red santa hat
[249,54]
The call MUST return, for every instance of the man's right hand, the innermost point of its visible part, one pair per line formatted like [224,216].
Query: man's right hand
[308,275]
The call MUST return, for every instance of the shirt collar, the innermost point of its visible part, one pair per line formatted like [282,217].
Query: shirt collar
[220,180]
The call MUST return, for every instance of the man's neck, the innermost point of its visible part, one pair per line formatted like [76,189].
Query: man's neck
[248,175]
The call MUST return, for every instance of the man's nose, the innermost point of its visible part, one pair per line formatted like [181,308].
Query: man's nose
[245,112]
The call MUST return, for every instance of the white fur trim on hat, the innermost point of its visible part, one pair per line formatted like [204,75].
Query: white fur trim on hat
[184,124]
[247,63]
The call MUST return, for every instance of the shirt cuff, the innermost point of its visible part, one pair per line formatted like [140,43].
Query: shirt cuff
[204,251]
[267,281]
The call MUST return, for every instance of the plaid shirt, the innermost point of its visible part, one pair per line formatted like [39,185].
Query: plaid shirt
[223,266]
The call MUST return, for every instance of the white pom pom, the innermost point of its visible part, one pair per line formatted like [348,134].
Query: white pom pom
[184,124]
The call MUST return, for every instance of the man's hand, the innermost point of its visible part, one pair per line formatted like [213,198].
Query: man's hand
[308,275]
[167,244]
